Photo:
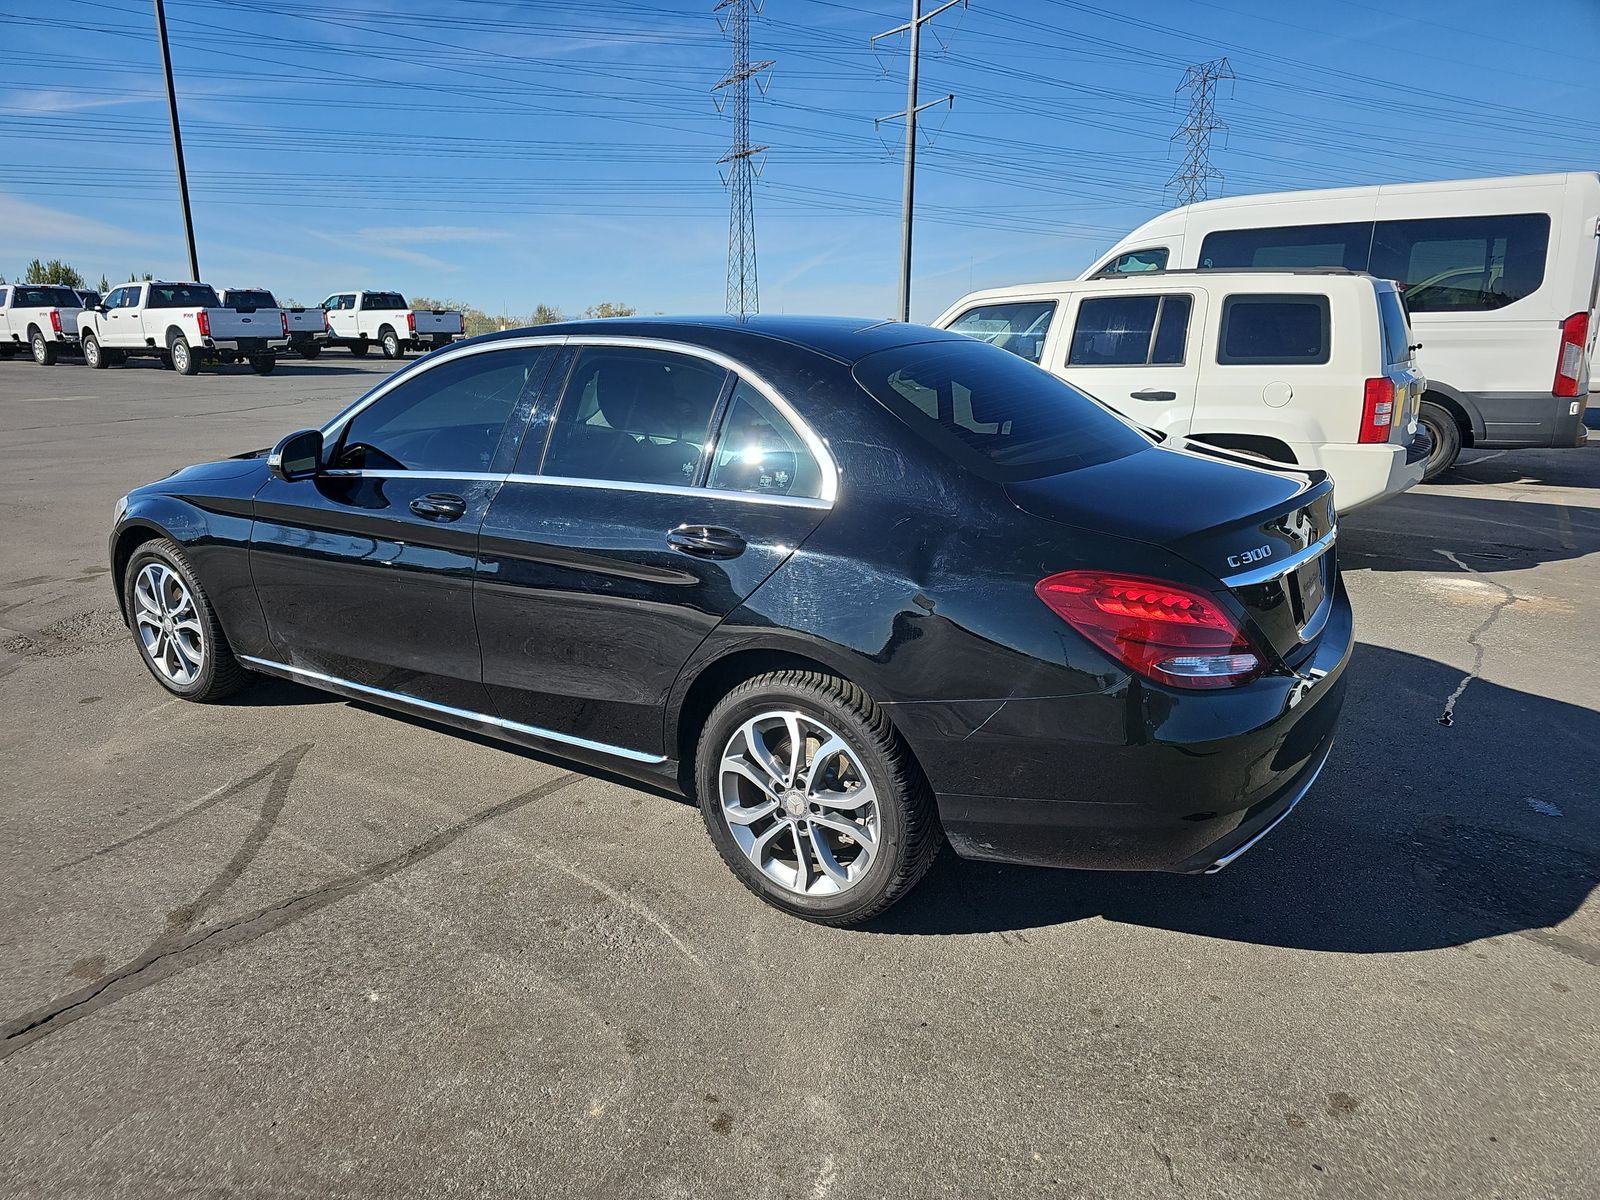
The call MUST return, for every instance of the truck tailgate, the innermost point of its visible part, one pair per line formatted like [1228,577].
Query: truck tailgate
[436,321]
[228,323]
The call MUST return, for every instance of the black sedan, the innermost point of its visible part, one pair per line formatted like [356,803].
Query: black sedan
[854,587]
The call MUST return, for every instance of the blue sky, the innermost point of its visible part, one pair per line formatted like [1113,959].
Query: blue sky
[511,154]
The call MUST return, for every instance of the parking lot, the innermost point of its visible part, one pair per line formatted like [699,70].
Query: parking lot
[293,946]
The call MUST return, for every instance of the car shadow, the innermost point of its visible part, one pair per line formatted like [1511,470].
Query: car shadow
[1417,836]
[1422,529]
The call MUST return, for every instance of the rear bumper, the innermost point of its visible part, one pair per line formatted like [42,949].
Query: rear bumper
[1364,474]
[1522,420]
[1137,778]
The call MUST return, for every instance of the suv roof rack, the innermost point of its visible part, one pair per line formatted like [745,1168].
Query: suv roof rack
[1232,271]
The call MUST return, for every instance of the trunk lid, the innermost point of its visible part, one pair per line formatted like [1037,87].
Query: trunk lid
[1267,536]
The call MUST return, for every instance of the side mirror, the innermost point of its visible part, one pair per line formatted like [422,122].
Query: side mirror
[298,456]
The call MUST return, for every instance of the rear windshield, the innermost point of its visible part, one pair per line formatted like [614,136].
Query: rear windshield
[251,300]
[1396,333]
[993,412]
[383,300]
[90,299]
[182,295]
[45,297]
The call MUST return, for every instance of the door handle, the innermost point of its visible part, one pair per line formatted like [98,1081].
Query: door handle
[706,541]
[1151,394]
[439,505]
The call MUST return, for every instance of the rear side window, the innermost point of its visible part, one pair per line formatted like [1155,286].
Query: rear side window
[1019,326]
[1346,244]
[1121,331]
[1396,332]
[759,451]
[1273,329]
[1463,264]
[1136,262]
[992,412]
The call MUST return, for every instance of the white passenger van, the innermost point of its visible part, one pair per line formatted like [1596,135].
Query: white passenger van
[1311,368]
[1501,277]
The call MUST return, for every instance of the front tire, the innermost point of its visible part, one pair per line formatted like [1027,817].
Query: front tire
[359,349]
[94,354]
[812,799]
[263,364]
[44,352]
[391,345]
[183,358]
[1446,434]
[177,633]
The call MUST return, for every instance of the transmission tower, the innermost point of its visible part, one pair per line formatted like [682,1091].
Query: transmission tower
[1200,81]
[743,161]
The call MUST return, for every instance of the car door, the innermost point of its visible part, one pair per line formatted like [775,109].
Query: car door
[667,488]
[341,314]
[1134,351]
[120,324]
[365,571]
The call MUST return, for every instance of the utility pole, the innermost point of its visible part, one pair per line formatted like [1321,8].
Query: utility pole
[1200,81]
[909,185]
[177,140]
[742,159]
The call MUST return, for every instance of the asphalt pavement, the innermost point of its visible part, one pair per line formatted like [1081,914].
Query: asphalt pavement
[291,946]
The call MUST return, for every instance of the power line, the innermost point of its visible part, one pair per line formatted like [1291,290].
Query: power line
[1193,178]
[742,159]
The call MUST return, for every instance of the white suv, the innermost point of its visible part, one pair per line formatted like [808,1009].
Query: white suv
[1307,368]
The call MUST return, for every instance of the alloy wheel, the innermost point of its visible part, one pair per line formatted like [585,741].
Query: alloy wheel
[799,803]
[168,624]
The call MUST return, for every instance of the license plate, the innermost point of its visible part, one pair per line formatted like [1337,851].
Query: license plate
[1312,586]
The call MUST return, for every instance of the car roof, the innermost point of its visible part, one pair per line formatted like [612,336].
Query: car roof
[1259,278]
[843,339]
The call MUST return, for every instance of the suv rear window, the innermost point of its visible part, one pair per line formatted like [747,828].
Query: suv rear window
[1273,329]
[992,412]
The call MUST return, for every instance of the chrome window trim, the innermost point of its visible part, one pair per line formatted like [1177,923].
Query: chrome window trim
[551,735]
[814,443]
[665,489]
[1278,570]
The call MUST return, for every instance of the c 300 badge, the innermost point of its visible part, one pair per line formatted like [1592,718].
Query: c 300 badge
[1259,554]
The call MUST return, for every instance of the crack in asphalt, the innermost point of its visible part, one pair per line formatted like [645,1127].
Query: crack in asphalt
[185,947]
[1448,716]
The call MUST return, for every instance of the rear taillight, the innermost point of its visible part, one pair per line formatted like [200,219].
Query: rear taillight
[411,322]
[1569,360]
[284,317]
[324,320]
[55,320]
[1166,632]
[1377,411]
[205,323]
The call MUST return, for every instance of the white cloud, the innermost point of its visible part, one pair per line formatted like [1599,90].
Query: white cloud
[28,224]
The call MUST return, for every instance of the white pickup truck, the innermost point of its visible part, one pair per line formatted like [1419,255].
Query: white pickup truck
[183,324]
[304,326]
[360,319]
[41,317]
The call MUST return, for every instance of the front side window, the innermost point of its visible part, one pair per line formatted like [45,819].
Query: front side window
[1274,330]
[632,415]
[2,296]
[993,413]
[759,451]
[1136,262]
[1346,244]
[447,418]
[183,295]
[1018,326]
[1463,264]
[114,298]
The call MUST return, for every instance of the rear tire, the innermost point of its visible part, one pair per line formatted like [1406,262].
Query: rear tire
[359,349]
[44,352]
[310,350]
[174,627]
[808,842]
[391,345]
[263,364]
[94,354]
[1441,426]
[183,358]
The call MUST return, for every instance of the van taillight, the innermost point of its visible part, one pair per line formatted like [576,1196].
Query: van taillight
[411,322]
[1569,360]
[1167,632]
[55,320]
[205,323]
[1377,411]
